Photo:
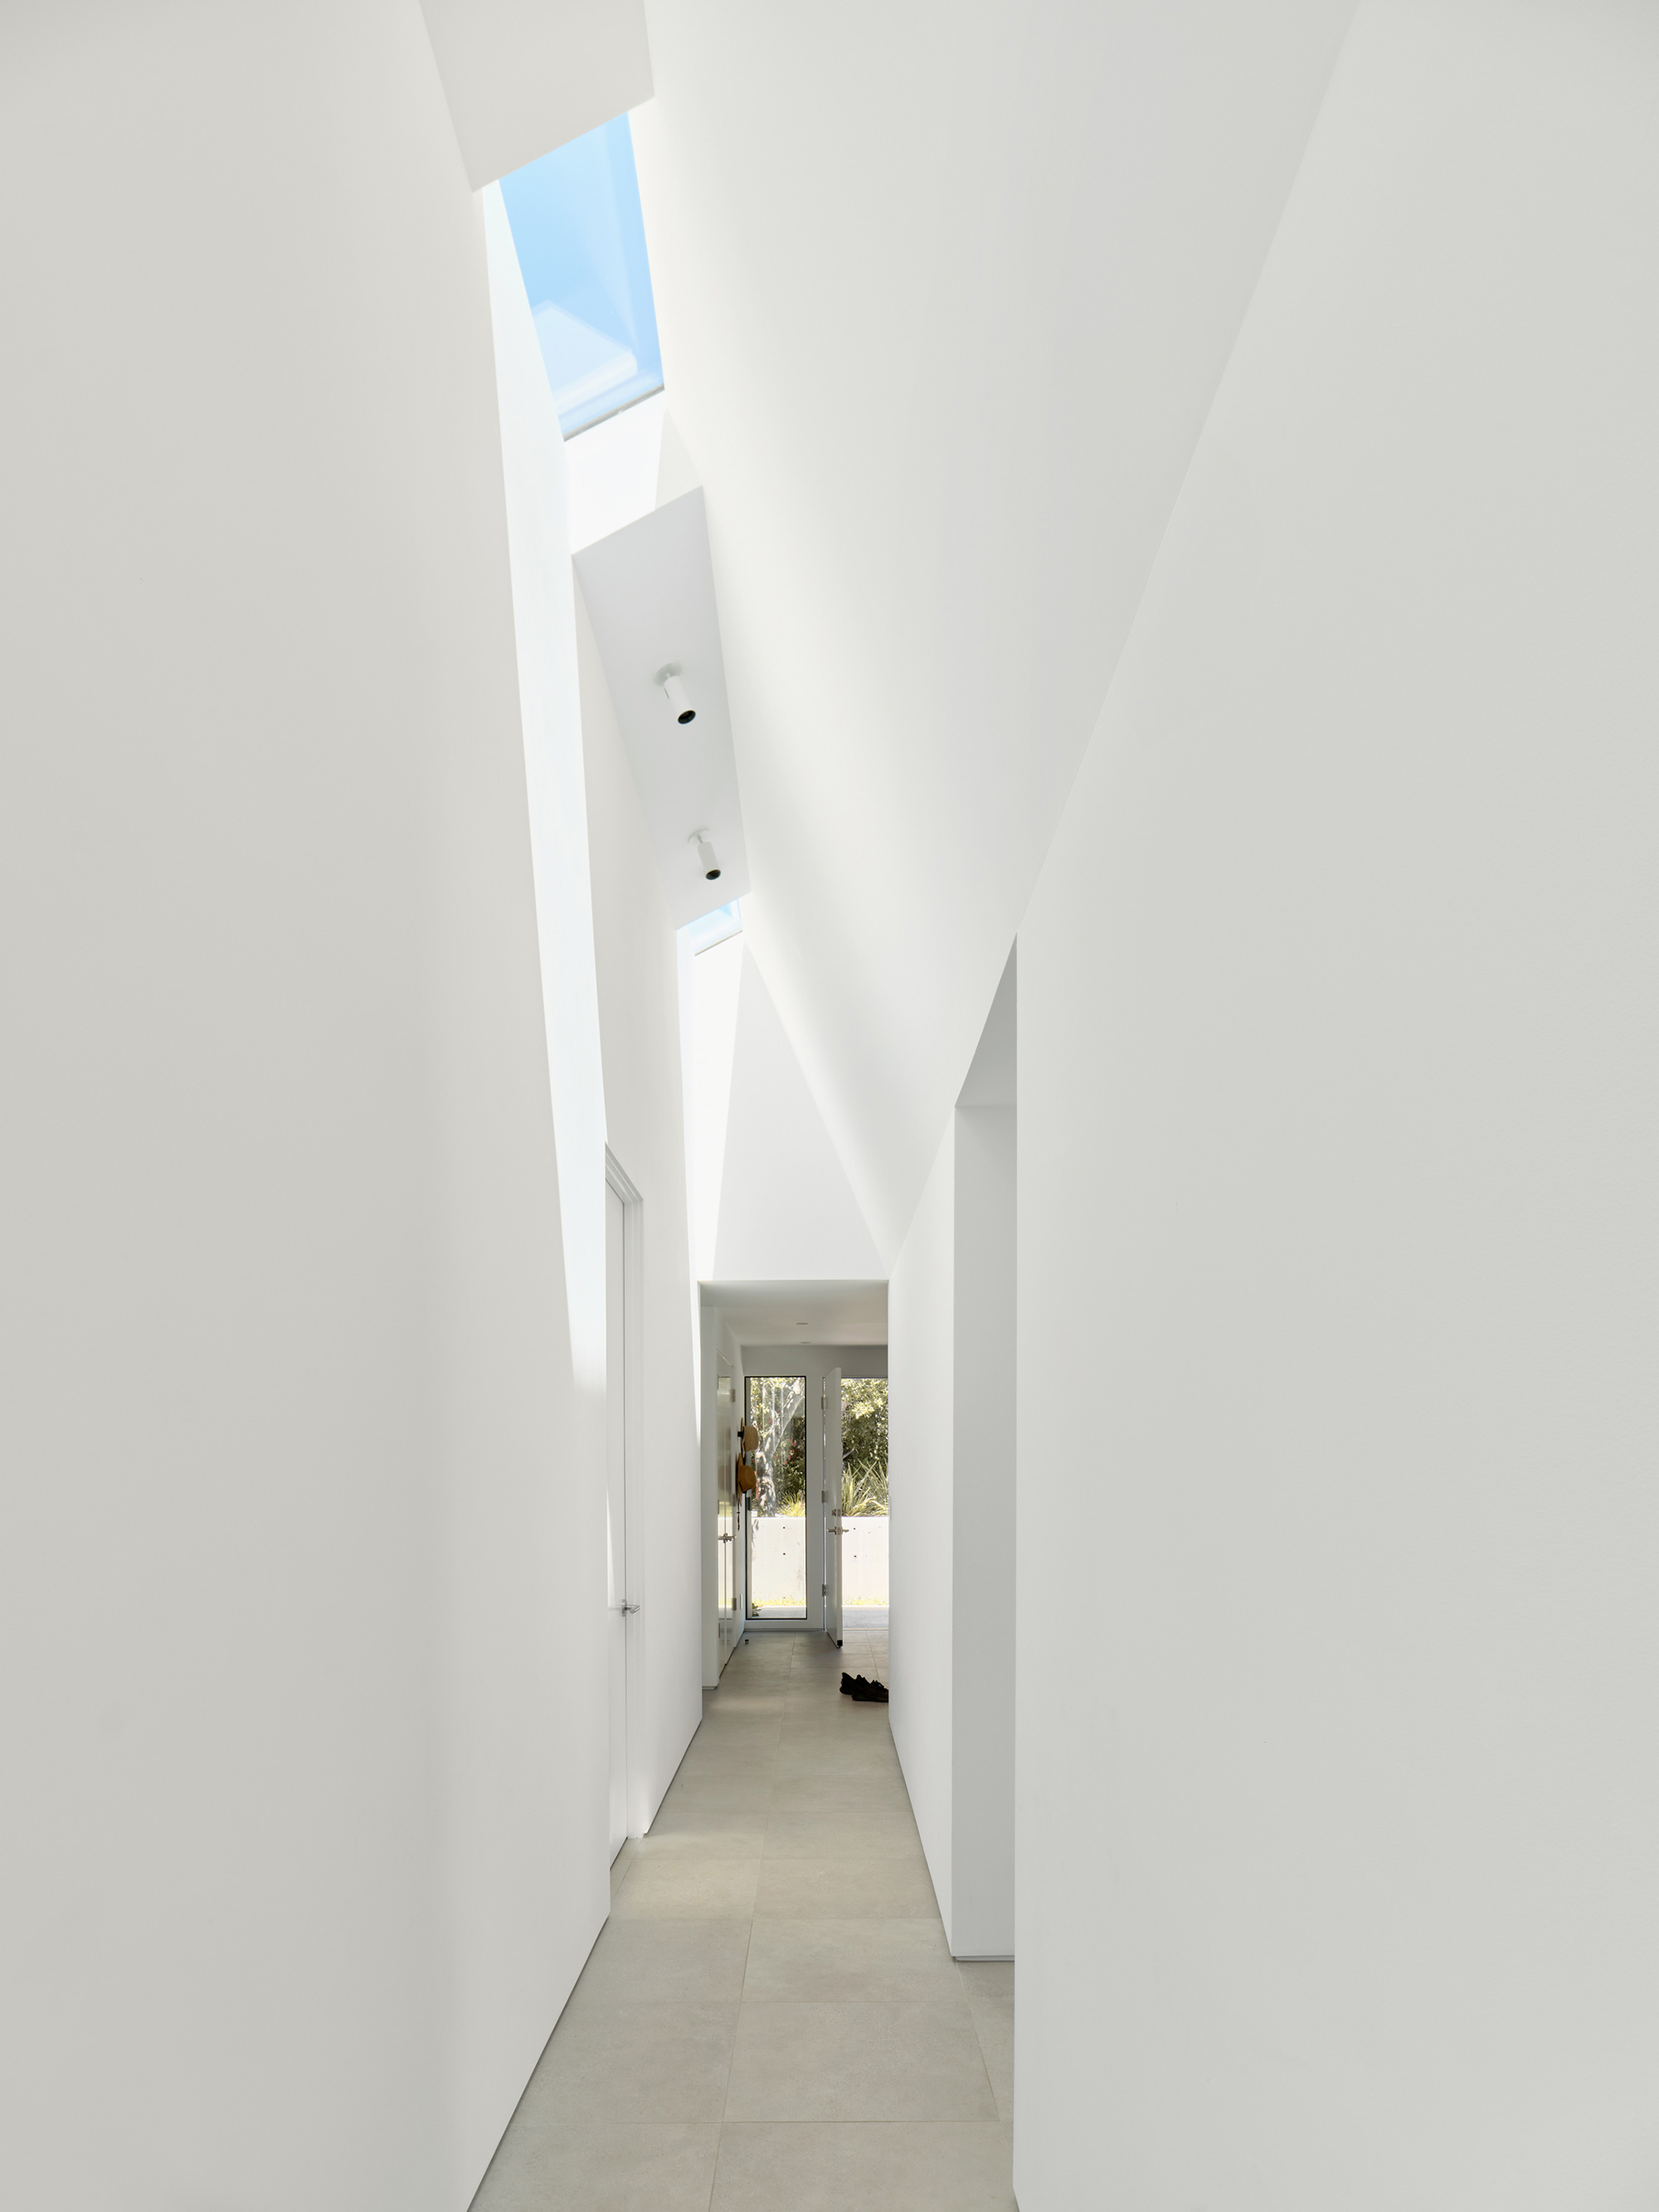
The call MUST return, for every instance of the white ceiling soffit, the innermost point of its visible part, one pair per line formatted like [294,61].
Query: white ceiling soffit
[649,589]
[522,76]
[944,295]
[767,1313]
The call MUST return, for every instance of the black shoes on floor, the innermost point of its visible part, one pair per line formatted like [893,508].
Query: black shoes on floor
[863,1692]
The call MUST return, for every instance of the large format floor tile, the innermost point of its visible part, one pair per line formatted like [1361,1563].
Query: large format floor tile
[913,2166]
[823,1833]
[677,1885]
[858,2062]
[850,1962]
[990,1988]
[771,2016]
[746,1788]
[661,1961]
[867,1788]
[846,1889]
[804,1757]
[631,2063]
[702,1820]
[619,1867]
[712,1759]
[621,2166]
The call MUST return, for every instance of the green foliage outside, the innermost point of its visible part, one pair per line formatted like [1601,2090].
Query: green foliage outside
[776,1405]
[864,1445]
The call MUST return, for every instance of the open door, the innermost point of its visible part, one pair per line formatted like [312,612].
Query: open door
[725,1543]
[831,1405]
[616,1500]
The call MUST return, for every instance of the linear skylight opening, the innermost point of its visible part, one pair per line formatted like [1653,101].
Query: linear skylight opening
[712,929]
[581,239]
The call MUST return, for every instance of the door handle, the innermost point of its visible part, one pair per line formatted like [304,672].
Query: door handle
[625,1608]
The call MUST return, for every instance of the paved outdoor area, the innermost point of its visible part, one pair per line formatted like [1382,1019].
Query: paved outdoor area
[771,2021]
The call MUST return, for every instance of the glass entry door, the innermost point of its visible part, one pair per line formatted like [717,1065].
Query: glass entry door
[831,1494]
[776,1581]
[725,1538]
[616,1503]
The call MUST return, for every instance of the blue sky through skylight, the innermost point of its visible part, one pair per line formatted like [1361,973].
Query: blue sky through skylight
[581,239]
[711,929]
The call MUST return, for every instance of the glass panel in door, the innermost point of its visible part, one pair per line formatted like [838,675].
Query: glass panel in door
[616,1499]
[726,1542]
[775,1407]
[832,1505]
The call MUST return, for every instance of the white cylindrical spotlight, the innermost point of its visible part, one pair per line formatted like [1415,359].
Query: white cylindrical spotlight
[706,860]
[684,711]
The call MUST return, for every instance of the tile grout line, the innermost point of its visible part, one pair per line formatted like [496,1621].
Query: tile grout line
[726,2094]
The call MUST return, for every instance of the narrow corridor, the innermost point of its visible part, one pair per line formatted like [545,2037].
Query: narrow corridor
[771,2021]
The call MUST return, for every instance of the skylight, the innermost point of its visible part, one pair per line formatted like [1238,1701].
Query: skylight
[580,239]
[712,929]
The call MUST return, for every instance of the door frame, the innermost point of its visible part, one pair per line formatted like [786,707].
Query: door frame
[784,1623]
[726,1489]
[829,1496]
[635,1578]
[813,1358]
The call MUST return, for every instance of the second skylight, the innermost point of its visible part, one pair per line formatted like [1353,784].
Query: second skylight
[580,239]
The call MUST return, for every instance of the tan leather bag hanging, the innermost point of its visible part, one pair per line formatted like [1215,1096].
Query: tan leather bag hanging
[746,1477]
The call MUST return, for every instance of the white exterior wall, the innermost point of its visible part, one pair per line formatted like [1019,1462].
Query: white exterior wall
[1338,1814]
[780,1554]
[304,1739]
[636,958]
[864,1559]
[778,1568]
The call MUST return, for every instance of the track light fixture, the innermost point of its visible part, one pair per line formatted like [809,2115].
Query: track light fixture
[706,860]
[668,681]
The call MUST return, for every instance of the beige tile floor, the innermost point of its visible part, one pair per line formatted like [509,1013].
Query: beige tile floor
[771,2021]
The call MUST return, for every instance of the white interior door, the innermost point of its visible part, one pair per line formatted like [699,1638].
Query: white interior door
[832,1505]
[615,1492]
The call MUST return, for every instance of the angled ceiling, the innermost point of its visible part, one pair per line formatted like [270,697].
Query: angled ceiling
[944,298]
[522,76]
[772,1197]
[785,1207]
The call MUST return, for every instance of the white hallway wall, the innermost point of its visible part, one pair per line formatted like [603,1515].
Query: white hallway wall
[1338,1808]
[982,1565]
[952,1308]
[305,1740]
[922,1493]
[640,1025]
